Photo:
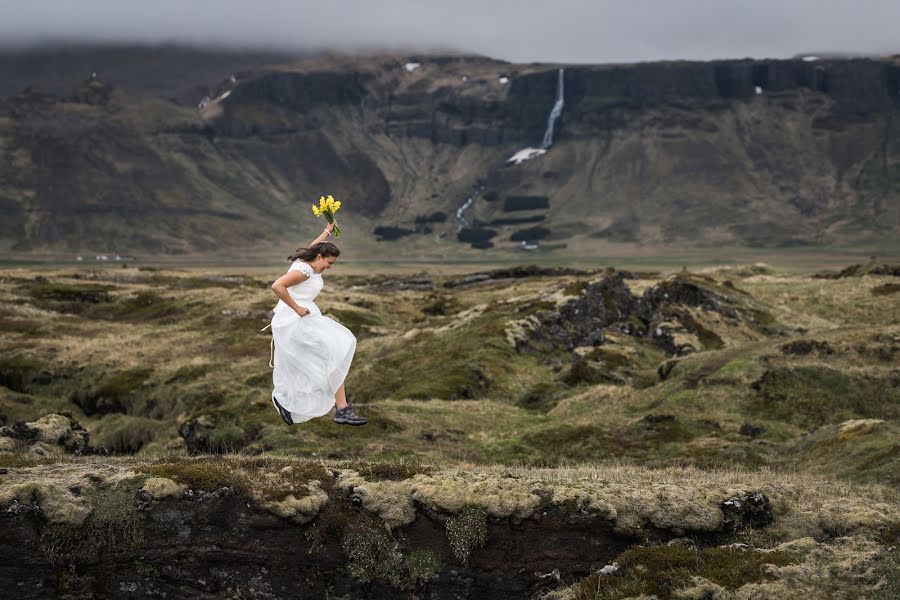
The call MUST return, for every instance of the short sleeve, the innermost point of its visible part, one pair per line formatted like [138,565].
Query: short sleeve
[303,267]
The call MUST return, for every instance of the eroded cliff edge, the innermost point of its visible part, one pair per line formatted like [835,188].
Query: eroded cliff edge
[273,527]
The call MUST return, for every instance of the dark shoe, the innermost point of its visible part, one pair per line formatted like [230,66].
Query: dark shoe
[346,416]
[285,414]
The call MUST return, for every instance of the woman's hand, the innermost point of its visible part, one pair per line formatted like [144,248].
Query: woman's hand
[302,311]
[329,228]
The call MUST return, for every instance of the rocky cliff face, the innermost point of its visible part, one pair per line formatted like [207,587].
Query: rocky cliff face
[757,153]
[268,527]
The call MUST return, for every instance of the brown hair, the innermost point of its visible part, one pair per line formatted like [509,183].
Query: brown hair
[324,248]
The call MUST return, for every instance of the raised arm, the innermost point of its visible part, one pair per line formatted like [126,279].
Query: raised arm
[322,236]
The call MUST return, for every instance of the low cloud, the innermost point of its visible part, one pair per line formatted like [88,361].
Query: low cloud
[592,31]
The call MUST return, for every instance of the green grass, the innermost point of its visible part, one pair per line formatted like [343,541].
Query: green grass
[808,396]
[473,360]
[659,571]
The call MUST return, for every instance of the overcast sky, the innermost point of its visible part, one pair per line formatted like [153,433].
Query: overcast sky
[592,31]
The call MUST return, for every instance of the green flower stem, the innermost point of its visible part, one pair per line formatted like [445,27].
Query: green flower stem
[336,232]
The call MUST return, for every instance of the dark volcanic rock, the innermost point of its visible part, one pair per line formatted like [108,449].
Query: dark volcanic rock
[512,273]
[684,292]
[751,430]
[749,510]
[580,321]
[858,270]
[663,308]
[805,347]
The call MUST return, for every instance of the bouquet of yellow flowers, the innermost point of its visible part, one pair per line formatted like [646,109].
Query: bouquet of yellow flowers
[328,206]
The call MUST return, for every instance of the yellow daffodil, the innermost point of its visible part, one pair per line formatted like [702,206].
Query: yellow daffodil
[327,207]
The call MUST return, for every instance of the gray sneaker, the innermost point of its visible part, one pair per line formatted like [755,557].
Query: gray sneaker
[285,414]
[346,416]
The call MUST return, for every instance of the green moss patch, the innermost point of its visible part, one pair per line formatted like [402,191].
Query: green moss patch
[111,394]
[360,322]
[261,477]
[115,521]
[373,553]
[144,307]
[467,362]
[82,293]
[466,531]
[19,371]
[660,571]
[127,434]
[811,396]
[191,373]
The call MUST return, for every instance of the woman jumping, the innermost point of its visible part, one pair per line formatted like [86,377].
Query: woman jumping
[312,352]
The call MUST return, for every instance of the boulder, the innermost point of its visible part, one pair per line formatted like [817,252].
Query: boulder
[50,433]
[752,509]
[580,321]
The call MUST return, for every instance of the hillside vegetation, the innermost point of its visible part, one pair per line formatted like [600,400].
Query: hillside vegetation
[737,154]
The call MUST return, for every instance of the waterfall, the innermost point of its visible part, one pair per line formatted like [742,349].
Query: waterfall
[460,220]
[554,113]
[529,153]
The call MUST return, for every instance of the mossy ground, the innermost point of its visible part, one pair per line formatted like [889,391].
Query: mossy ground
[660,571]
[134,354]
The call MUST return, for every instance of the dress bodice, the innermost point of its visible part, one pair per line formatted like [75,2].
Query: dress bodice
[308,289]
[305,292]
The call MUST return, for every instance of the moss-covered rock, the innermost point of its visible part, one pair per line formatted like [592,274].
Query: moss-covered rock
[162,487]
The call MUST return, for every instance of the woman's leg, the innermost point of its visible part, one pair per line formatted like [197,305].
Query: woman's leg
[344,414]
[340,397]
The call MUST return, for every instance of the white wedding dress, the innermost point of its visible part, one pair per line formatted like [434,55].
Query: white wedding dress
[312,354]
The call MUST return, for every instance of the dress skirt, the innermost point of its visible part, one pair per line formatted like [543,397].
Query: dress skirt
[311,360]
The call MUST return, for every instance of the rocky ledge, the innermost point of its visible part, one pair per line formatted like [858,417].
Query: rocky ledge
[274,527]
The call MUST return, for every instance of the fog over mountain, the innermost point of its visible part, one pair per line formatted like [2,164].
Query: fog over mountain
[564,31]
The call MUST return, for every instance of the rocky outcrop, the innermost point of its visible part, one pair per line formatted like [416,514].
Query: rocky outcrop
[511,273]
[858,270]
[49,435]
[682,314]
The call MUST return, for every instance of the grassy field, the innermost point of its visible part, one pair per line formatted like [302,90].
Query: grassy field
[646,393]
[135,354]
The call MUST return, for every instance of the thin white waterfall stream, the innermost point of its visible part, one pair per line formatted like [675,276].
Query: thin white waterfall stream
[554,113]
[529,153]
[460,219]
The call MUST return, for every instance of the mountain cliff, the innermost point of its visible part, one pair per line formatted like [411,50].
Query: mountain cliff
[740,153]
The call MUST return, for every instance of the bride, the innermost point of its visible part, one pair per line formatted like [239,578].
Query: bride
[312,352]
